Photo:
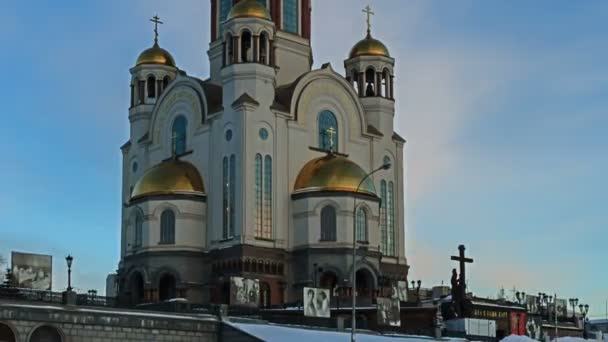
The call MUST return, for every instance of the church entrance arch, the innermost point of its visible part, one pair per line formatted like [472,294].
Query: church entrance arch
[136,288]
[6,333]
[45,334]
[328,280]
[167,287]
[365,282]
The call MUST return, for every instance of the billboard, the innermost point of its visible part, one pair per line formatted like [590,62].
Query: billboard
[244,292]
[534,327]
[32,271]
[518,323]
[316,302]
[399,290]
[562,307]
[389,312]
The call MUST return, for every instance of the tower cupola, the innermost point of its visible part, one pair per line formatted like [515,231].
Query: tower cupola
[369,67]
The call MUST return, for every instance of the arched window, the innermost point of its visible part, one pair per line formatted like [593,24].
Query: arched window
[139,222]
[267,233]
[361,225]
[179,130]
[328,131]
[166,81]
[383,218]
[246,48]
[390,225]
[264,48]
[355,80]
[151,86]
[45,334]
[291,16]
[258,195]
[386,84]
[167,227]
[167,287]
[370,82]
[328,223]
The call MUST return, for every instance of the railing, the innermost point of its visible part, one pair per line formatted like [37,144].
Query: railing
[41,296]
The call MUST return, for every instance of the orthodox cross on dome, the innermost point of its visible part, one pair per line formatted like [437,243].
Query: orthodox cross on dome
[331,132]
[368,10]
[156,20]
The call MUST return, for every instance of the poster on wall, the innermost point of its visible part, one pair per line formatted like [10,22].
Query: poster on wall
[532,304]
[32,271]
[399,291]
[244,292]
[316,302]
[562,307]
[389,312]
[533,327]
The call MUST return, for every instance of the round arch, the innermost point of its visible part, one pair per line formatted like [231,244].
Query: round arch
[46,333]
[7,333]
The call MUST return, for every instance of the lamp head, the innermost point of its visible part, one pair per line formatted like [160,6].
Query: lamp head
[69,260]
[386,166]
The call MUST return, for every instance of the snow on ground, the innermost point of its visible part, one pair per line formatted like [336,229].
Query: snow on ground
[274,333]
[515,338]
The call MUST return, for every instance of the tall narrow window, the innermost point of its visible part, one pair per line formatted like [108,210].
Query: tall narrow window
[232,193]
[166,82]
[139,222]
[141,91]
[258,195]
[179,130]
[291,16]
[390,226]
[167,227]
[328,131]
[246,47]
[383,211]
[328,223]
[225,199]
[361,225]
[151,86]
[267,197]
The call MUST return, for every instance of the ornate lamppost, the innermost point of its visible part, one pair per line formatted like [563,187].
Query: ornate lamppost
[584,309]
[353,280]
[521,297]
[574,303]
[69,259]
[417,289]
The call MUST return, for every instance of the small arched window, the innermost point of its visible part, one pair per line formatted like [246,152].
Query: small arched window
[328,131]
[151,86]
[361,225]
[246,48]
[166,82]
[139,223]
[328,223]
[370,82]
[178,135]
[386,83]
[167,227]
[264,48]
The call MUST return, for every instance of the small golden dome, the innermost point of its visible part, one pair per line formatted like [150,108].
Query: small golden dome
[249,8]
[173,177]
[333,173]
[369,47]
[156,55]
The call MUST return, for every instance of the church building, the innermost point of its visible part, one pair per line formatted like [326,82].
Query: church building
[262,170]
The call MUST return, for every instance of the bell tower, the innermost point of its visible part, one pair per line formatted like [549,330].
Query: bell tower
[290,44]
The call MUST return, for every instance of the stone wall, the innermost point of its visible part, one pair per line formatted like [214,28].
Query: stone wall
[76,324]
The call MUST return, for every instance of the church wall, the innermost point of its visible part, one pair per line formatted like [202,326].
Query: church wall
[293,57]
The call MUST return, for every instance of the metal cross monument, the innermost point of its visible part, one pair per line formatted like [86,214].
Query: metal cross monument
[156,20]
[462,260]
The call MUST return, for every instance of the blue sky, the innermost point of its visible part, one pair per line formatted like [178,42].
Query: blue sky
[503,104]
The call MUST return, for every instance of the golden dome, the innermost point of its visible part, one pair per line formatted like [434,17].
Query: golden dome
[249,8]
[369,47]
[171,177]
[156,55]
[333,173]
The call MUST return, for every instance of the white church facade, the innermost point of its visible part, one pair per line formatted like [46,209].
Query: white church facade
[258,171]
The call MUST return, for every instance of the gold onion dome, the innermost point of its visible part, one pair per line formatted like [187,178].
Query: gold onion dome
[333,173]
[369,46]
[173,177]
[248,9]
[156,55]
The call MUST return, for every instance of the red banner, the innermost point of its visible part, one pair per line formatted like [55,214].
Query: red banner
[518,323]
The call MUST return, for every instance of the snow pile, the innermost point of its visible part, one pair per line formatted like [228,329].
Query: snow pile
[518,338]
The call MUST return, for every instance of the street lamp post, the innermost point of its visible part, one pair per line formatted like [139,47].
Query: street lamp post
[353,325]
[584,312]
[69,260]
[574,303]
